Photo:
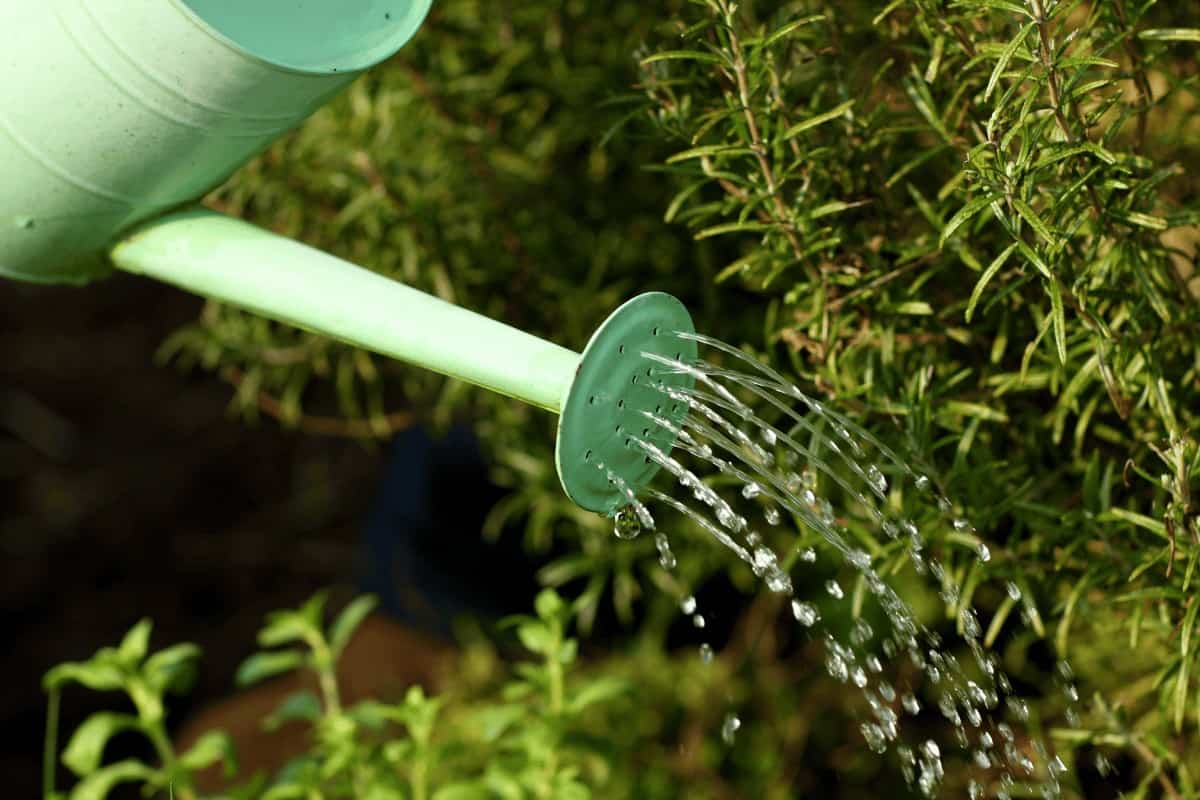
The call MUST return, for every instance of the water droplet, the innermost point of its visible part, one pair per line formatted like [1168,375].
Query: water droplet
[1019,708]
[835,589]
[1103,765]
[981,758]
[859,677]
[661,542]
[837,667]
[667,560]
[706,653]
[778,581]
[960,524]
[974,790]
[792,482]
[769,436]
[859,559]
[985,554]
[877,479]
[931,749]
[805,613]
[772,515]
[1013,590]
[911,704]
[698,620]
[876,740]
[808,555]
[861,632]
[874,664]
[688,605]
[923,483]
[751,490]
[730,728]
[764,559]
[626,524]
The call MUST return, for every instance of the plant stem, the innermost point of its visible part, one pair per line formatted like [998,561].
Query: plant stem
[50,750]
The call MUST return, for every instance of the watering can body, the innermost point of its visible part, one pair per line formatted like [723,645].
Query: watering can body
[114,111]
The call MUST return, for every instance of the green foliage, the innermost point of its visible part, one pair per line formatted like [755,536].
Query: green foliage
[971,225]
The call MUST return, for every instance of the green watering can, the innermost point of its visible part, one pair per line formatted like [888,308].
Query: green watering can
[117,115]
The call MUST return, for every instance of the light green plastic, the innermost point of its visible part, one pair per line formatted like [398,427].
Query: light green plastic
[615,388]
[117,115]
[217,256]
[114,111]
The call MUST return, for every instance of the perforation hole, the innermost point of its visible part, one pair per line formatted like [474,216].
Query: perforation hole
[587,456]
[621,349]
[655,330]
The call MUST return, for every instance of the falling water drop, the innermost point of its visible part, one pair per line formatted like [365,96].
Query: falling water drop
[730,727]
[805,613]
[835,589]
[778,581]
[985,553]
[626,524]
[923,483]
[911,704]
[1013,590]
[698,621]
[877,479]
[808,555]
[706,653]
[688,605]
[751,490]
[769,436]
[772,515]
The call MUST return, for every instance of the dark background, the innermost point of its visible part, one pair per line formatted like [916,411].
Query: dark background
[128,489]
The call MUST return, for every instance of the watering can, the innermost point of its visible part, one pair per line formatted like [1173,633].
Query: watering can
[116,116]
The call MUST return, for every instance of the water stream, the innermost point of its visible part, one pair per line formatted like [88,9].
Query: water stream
[782,472]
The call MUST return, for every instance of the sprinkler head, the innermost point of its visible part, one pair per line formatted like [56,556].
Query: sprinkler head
[615,390]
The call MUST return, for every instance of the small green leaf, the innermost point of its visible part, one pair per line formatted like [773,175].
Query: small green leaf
[210,748]
[683,55]
[1142,220]
[1005,56]
[598,691]
[1155,526]
[86,748]
[172,669]
[915,307]
[549,605]
[965,213]
[348,621]
[1033,258]
[286,626]
[1029,215]
[1170,35]
[261,666]
[1060,322]
[787,30]
[135,644]
[987,276]
[301,705]
[95,674]
[709,150]
[97,785]
[535,637]
[731,227]
[819,119]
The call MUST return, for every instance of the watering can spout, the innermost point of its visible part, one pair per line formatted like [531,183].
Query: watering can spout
[217,256]
[114,114]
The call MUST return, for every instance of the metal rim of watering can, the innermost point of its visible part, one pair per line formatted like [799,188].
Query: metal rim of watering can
[613,387]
